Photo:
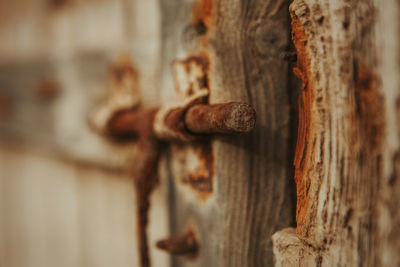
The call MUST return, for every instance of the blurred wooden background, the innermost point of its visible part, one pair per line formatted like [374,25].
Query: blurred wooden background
[64,198]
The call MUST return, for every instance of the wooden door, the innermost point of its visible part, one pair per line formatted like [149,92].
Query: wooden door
[313,184]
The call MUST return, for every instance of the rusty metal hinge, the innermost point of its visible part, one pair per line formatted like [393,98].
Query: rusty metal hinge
[187,120]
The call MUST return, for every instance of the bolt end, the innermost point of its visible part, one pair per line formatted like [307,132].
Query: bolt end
[241,118]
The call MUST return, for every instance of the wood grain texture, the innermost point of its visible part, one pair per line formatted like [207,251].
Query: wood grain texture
[251,192]
[253,181]
[348,144]
[187,211]
[251,195]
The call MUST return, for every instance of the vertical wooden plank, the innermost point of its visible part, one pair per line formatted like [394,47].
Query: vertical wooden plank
[60,214]
[106,219]
[252,186]
[347,156]
[253,173]
[39,212]
[186,210]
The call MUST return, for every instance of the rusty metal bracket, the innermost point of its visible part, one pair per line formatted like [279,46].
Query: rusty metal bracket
[187,120]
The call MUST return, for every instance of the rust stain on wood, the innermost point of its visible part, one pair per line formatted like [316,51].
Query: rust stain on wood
[191,76]
[305,104]
[368,118]
[202,14]
[200,60]
[193,165]
[195,76]
[123,73]
[200,179]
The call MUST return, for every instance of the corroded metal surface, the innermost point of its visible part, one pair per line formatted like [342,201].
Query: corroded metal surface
[182,245]
[220,118]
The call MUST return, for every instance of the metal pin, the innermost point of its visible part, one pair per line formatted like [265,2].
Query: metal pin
[132,123]
[183,245]
[224,118]
[220,118]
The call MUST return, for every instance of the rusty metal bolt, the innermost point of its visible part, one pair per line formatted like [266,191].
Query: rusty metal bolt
[183,245]
[199,119]
[138,123]
[132,123]
[220,118]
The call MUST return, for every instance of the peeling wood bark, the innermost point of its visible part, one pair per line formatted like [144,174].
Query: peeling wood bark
[348,144]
